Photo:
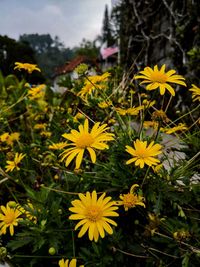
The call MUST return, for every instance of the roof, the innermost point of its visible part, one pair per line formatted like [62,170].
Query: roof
[70,66]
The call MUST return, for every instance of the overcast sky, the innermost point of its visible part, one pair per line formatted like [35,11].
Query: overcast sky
[71,20]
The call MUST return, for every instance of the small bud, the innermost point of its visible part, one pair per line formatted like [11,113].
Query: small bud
[52,251]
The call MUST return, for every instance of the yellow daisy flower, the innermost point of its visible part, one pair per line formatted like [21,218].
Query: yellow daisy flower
[86,140]
[14,163]
[93,213]
[131,199]
[37,92]
[105,104]
[92,83]
[195,92]
[143,154]
[179,127]
[40,126]
[130,111]
[9,138]
[26,66]
[9,218]
[160,79]
[72,263]
[4,137]
[149,124]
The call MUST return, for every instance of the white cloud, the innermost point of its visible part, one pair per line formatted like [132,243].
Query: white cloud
[71,20]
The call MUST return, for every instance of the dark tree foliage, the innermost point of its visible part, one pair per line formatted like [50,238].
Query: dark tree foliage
[107,29]
[86,48]
[50,52]
[157,32]
[12,51]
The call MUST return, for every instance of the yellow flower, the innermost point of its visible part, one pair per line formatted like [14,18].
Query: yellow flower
[130,111]
[66,263]
[4,137]
[147,103]
[131,199]
[86,140]
[9,138]
[159,115]
[26,66]
[105,104]
[149,124]
[14,164]
[154,222]
[60,145]
[9,218]
[40,126]
[179,127]
[78,117]
[93,213]
[160,79]
[157,168]
[45,133]
[37,92]
[143,154]
[27,210]
[92,83]
[195,92]
[181,235]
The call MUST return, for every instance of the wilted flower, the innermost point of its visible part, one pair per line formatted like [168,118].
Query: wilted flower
[131,199]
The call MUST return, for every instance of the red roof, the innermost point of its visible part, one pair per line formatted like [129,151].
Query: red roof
[70,66]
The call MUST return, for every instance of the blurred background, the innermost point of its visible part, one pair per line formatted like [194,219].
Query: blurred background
[126,33]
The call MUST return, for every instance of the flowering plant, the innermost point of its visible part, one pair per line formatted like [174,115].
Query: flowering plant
[102,174]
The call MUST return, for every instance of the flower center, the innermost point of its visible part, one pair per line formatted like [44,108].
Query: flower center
[130,200]
[94,213]
[85,140]
[9,218]
[142,153]
[158,77]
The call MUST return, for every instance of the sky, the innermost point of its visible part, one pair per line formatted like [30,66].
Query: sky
[70,20]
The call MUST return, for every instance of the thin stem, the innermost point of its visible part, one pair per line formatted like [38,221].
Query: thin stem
[145,176]
[130,254]
[168,103]
[73,245]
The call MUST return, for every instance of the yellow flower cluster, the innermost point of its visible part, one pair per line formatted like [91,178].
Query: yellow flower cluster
[93,83]
[9,138]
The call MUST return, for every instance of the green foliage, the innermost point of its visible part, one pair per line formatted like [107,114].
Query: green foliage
[165,232]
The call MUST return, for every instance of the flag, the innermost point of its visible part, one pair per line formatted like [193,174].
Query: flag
[108,51]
